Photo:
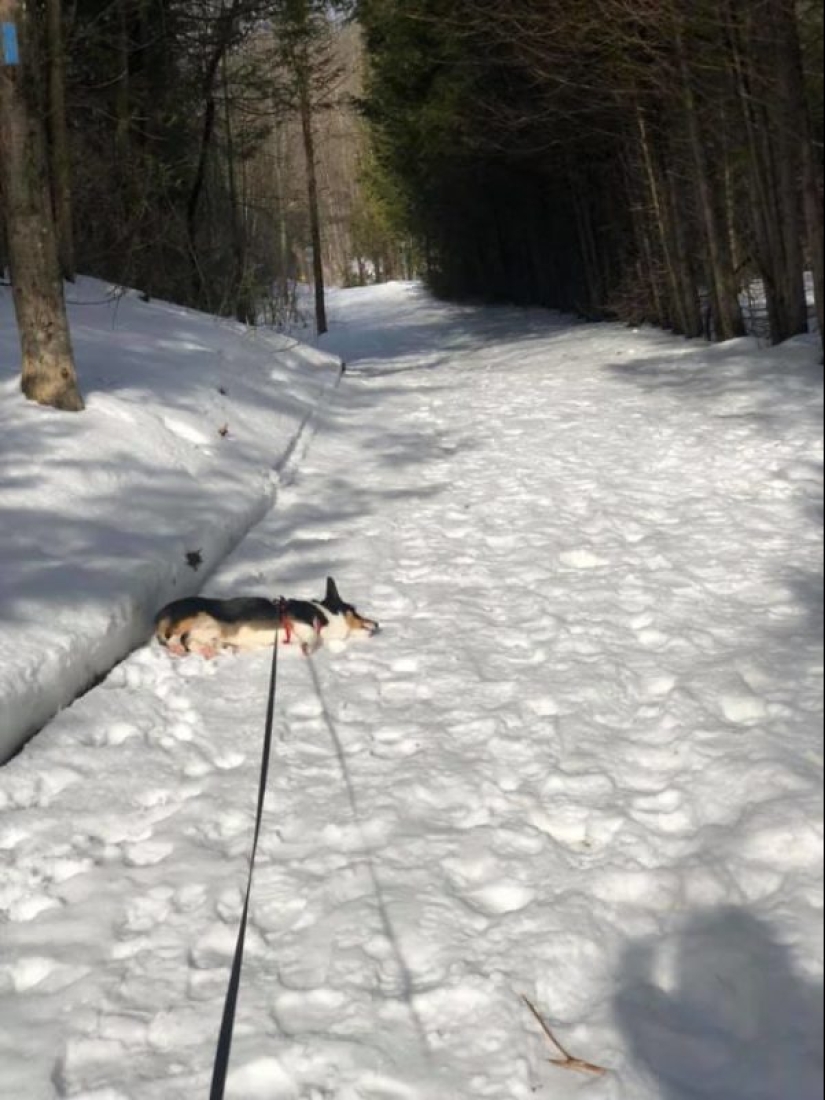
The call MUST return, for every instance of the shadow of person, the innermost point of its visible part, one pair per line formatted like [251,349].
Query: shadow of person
[716,1012]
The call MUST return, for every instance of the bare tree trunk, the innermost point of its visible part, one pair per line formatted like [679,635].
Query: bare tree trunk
[788,155]
[771,94]
[284,250]
[648,265]
[243,303]
[587,243]
[811,181]
[312,196]
[767,246]
[812,197]
[48,374]
[61,168]
[689,306]
[726,309]
[123,108]
[659,208]
[224,30]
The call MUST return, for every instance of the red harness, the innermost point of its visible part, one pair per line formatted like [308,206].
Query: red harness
[288,626]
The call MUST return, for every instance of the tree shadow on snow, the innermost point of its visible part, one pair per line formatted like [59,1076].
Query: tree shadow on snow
[440,330]
[737,382]
[719,1012]
[776,392]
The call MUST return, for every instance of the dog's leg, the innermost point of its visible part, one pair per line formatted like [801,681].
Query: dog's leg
[314,643]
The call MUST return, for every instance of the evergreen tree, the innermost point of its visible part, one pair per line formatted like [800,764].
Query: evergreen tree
[624,157]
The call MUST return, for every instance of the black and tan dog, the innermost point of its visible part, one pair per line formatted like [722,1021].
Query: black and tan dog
[205,626]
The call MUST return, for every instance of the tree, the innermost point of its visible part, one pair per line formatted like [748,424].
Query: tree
[48,374]
[646,159]
[60,156]
[304,49]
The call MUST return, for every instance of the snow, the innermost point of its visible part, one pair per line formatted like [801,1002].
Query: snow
[100,511]
[581,762]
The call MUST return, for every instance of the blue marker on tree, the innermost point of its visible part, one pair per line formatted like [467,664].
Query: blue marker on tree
[9,48]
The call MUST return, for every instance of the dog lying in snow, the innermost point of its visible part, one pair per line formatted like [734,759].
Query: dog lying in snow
[207,626]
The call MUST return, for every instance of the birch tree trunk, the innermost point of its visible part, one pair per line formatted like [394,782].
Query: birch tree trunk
[48,374]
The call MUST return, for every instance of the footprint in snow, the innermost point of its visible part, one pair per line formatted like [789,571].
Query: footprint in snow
[663,812]
[42,972]
[147,853]
[228,832]
[541,706]
[743,708]
[197,767]
[501,542]
[405,665]
[118,732]
[228,760]
[86,1063]
[215,947]
[581,558]
[186,431]
[145,914]
[261,1079]
[24,905]
[297,1011]
[389,741]
[658,685]
[478,883]
[114,734]
[37,791]
[647,634]
[498,898]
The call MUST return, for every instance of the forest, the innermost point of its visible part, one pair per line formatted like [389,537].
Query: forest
[644,161]
[505,317]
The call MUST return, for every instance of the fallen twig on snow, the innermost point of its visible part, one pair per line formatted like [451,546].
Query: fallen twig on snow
[567,1061]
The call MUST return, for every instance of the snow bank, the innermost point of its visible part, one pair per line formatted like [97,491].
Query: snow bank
[188,421]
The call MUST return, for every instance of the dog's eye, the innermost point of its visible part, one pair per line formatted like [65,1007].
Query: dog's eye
[184,640]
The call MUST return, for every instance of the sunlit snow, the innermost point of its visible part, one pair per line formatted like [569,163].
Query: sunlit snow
[581,763]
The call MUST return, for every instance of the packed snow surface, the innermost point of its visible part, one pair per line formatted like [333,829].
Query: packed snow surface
[581,763]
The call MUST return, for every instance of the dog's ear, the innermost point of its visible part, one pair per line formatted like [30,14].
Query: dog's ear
[331,599]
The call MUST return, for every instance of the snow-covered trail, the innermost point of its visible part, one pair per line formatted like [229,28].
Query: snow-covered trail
[581,762]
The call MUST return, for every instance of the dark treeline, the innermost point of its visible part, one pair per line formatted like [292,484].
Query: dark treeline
[642,159]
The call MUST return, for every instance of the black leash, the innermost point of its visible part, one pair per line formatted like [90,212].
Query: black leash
[221,1065]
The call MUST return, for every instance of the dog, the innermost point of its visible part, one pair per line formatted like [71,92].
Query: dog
[206,627]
